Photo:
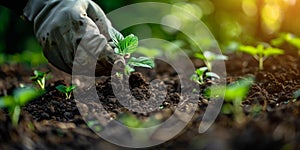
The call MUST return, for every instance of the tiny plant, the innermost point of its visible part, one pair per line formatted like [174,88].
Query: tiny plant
[209,57]
[20,97]
[201,74]
[40,78]
[234,94]
[125,46]
[261,53]
[67,90]
[289,38]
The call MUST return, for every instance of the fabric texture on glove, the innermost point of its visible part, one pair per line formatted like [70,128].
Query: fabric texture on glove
[69,28]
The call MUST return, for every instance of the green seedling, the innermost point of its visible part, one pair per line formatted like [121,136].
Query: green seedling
[40,78]
[19,98]
[261,53]
[234,94]
[209,57]
[67,90]
[201,74]
[125,47]
[280,39]
[289,38]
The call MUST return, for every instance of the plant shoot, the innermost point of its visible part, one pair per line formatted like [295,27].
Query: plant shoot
[125,47]
[67,90]
[260,53]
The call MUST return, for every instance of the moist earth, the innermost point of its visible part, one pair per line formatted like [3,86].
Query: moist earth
[54,122]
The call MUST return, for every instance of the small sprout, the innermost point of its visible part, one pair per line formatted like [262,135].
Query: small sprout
[289,38]
[125,47]
[40,78]
[66,90]
[201,74]
[260,53]
[280,39]
[209,57]
[19,98]
[234,94]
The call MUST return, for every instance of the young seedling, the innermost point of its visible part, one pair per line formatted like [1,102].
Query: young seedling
[40,78]
[67,90]
[235,93]
[209,57]
[125,47]
[261,53]
[19,98]
[201,74]
[280,39]
[289,38]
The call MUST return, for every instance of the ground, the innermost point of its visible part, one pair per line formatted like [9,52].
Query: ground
[54,122]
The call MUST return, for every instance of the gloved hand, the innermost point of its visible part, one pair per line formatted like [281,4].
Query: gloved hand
[73,32]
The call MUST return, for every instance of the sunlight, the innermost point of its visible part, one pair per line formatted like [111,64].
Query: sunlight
[249,7]
[271,17]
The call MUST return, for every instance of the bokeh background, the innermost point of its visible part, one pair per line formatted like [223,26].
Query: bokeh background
[231,22]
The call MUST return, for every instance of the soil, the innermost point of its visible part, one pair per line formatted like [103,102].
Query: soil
[54,122]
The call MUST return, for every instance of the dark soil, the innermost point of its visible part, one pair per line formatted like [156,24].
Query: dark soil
[54,122]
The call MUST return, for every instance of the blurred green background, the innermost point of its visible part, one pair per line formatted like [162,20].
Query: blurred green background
[230,21]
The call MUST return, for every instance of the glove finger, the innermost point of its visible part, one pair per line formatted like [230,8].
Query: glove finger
[100,19]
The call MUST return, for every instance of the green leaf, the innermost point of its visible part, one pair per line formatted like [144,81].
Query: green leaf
[115,36]
[272,51]
[212,74]
[141,62]
[130,121]
[210,56]
[39,74]
[6,102]
[227,109]
[23,95]
[295,42]
[61,88]
[200,56]
[238,90]
[200,71]
[128,45]
[279,41]
[249,49]
[215,91]
[70,88]
[221,57]
[233,92]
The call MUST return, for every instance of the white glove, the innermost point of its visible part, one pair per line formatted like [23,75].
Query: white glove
[68,27]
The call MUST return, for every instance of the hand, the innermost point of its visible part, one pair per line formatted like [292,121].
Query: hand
[73,32]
